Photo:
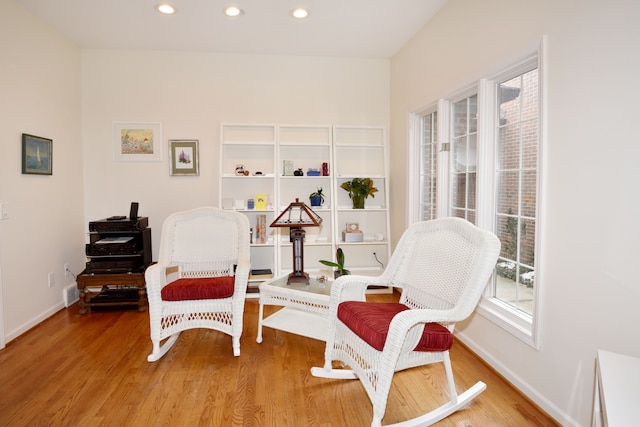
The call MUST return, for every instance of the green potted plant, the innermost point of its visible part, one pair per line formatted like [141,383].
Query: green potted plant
[339,264]
[316,198]
[359,189]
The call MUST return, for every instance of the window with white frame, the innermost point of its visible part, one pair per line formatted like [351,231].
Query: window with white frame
[492,178]
[428,165]
[516,175]
[464,143]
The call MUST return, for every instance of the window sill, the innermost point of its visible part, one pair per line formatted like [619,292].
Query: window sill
[517,323]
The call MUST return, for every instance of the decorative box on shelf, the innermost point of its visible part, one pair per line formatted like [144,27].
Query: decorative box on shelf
[353,236]
[352,233]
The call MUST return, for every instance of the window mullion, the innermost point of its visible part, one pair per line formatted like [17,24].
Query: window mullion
[415,168]
[444,140]
[485,201]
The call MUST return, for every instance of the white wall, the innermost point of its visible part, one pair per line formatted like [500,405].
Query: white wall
[591,206]
[40,95]
[53,89]
[591,209]
[191,94]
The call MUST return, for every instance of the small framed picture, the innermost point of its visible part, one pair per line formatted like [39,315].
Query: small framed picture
[352,227]
[37,155]
[137,142]
[183,155]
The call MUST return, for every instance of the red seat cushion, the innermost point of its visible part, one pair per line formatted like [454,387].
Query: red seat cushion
[200,288]
[370,321]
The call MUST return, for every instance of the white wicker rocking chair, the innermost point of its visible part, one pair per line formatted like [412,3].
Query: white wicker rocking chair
[194,285]
[442,267]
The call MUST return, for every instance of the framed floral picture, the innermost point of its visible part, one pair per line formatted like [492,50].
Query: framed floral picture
[183,154]
[137,142]
[37,155]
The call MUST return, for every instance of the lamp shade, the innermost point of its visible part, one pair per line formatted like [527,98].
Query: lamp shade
[297,214]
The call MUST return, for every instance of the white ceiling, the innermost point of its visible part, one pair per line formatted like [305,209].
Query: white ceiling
[341,28]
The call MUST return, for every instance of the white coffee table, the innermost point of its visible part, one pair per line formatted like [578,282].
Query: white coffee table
[305,307]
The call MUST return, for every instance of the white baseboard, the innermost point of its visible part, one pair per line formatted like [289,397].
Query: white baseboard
[33,322]
[546,405]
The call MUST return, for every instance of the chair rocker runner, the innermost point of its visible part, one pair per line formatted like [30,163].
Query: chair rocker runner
[442,267]
[200,280]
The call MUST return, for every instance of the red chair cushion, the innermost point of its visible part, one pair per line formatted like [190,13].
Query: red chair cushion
[200,288]
[370,321]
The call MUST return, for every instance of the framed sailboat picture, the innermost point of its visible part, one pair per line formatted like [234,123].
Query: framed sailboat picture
[183,155]
[37,155]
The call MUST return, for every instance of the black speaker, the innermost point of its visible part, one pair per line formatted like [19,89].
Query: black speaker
[133,212]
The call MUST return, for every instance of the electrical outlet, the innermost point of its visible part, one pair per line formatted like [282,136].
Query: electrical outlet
[66,269]
[52,279]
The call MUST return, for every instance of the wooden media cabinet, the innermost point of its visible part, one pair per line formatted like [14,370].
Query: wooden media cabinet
[116,290]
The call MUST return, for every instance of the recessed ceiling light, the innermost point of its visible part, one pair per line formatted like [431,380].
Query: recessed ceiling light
[299,13]
[232,11]
[166,8]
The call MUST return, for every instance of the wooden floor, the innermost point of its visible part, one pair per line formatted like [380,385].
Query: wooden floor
[91,370]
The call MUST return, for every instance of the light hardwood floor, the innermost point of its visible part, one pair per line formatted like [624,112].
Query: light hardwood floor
[91,370]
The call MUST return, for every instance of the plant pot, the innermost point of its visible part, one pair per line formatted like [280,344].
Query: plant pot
[316,200]
[338,273]
[358,201]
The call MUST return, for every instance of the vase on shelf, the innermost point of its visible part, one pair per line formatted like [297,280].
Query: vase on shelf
[358,201]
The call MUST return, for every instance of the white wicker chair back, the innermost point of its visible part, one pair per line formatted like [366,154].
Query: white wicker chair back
[201,243]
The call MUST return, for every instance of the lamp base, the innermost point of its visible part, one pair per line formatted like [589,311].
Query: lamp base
[298,277]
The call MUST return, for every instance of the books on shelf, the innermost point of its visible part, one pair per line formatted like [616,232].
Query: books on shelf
[264,273]
[261,202]
[261,229]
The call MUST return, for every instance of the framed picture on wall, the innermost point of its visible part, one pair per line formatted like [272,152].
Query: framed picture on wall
[137,142]
[183,155]
[37,155]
